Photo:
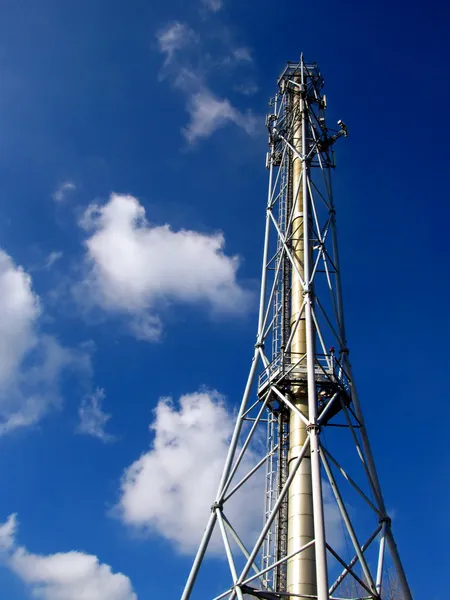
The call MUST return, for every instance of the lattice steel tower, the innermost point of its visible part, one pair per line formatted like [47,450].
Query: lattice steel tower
[325,532]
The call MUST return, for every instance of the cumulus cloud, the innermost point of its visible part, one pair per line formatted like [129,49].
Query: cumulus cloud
[63,190]
[134,267]
[209,113]
[170,488]
[175,36]
[93,419]
[64,575]
[31,362]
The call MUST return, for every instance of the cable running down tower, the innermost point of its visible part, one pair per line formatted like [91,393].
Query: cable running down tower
[325,533]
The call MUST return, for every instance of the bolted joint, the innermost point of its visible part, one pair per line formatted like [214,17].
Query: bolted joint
[259,345]
[313,427]
[217,505]
[385,519]
[344,350]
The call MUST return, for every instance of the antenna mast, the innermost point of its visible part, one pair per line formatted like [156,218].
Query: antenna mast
[300,386]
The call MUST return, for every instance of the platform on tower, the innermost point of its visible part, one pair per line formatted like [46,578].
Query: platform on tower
[290,369]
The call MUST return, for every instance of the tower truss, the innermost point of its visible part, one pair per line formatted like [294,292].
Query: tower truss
[325,532]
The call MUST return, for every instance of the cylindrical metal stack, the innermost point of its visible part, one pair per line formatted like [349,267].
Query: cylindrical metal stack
[301,569]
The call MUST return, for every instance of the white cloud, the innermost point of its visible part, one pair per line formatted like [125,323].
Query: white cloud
[134,267]
[247,89]
[236,56]
[31,362]
[19,309]
[146,327]
[92,418]
[63,190]
[64,575]
[34,389]
[209,113]
[7,533]
[242,54]
[170,488]
[212,5]
[52,258]
[175,36]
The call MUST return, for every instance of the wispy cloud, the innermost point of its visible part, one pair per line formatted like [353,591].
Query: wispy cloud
[239,55]
[62,576]
[188,71]
[247,89]
[209,113]
[63,190]
[52,258]
[175,36]
[93,419]
[243,54]
[212,5]
[31,361]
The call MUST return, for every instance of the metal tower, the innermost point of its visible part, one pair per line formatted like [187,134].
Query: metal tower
[300,389]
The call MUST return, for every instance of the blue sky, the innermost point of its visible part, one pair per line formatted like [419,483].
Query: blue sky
[113,113]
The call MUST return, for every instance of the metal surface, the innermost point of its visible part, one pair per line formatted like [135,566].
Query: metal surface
[301,569]
[300,384]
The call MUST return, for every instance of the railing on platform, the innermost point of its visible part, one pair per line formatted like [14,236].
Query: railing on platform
[291,367]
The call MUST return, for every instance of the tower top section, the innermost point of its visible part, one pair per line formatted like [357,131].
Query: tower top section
[300,89]
[294,72]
